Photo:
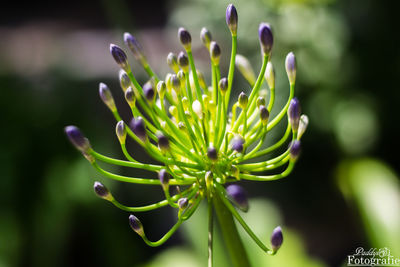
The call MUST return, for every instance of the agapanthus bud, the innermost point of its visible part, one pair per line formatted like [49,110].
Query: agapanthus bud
[139,128]
[176,83]
[183,61]
[173,111]
[102,191]
[215,52]
[270,75]
[302,125]
[223,85]
[232,18]
[76,137]
[185,38]
[124,80]
[133,45]
[181,76]
[264,115]
[161,88]
[130,97]
[120,130]
[149,92]
[295,147]
[290,65]
[245,68]
[163,175]
[136,225]
[238,196]
[197,108]
[276,238]
[183,203]
[106,96]
[266,37]
[163,142]
[120,57]
[243,100]
[205,36]
[260,101]
[294,112]
[212,153]
[172,62]
[237,143]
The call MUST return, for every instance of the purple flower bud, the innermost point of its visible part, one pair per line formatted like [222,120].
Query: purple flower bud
[294,112]
[124,80]
[276,239]
[295,147]
[183,203]
[120,130]
[266,37]
[136,225]
[102,191]
[133,45]
[215,52]
[120,57]
[264,115]
[163,175]
[175,83]
[212,153]
[161,88]
[149,92]
[130,96]
[243,100]
[163,142]
[232,18]
[205,36]
[238,196]
[237,143]
[106,96]
[185,38]
[290,65]
[172,62]
[183,61]
[260,101]
[139,128]
[223,85]
[76,137]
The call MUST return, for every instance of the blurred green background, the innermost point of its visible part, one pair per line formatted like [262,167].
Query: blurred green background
[343,194]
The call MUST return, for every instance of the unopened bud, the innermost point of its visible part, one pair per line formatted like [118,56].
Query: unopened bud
[215,52]
[76,137]
[302,125]
[120,130]
[294,112]
[173,111]
[102,191]
[149,92]
[134,46]
[163,142]
[276,239]
[266,37]
[237,143]
[212,153]
[270,75]
[120,57]
[264,115]
[243,100]
[175,83]
[136,225]
[183,61]
[139,128]
[163,175]
[185,38]
[172,62]
[183,203]
[232,19]
[260,101]
[238,196]
[205,36]
[245,68]
[106,96]
[295,147]
[197,108]
[130,97]
[223,85]
[161,88]
[290,65]
[124,80]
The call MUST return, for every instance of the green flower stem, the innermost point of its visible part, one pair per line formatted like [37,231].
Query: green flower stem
[154,206]
[195,78]
[231,70]
[168,197]
[268,177]
[150,71]
[273,166]
[222,135]
[210,231]
[191,209]
[163,239]
[230,233]
[271,99]
[126,153]
[222,194]
[257,147]
[264,164]
[274,146]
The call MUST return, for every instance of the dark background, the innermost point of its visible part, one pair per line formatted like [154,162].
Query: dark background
[49,215]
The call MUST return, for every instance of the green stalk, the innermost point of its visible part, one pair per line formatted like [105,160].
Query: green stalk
[230,234]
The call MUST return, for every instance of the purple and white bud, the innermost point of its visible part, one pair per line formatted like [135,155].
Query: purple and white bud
[243,100]
[183,203]
[205,36]
[149,92]
[276,239]
[120,57]
[260,101]
[102,191]
[138,127]
[295,148]
[212,153]
[223,85]
[264,114]
[175,83]
[163,142]
[237,144]
[185,38]
[136,225]
[163,175]
[238,196]
[106,96]
[172,62]
[130,97]
[215,52]
[232,19]
[294,112]
[76,137]
[120,130]
[161,88]
[302,125]
[183,61]
[290,65]
[134,46]
[124,80]
[266,37]
[270,75]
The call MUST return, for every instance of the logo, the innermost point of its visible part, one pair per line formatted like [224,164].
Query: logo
[372,257]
